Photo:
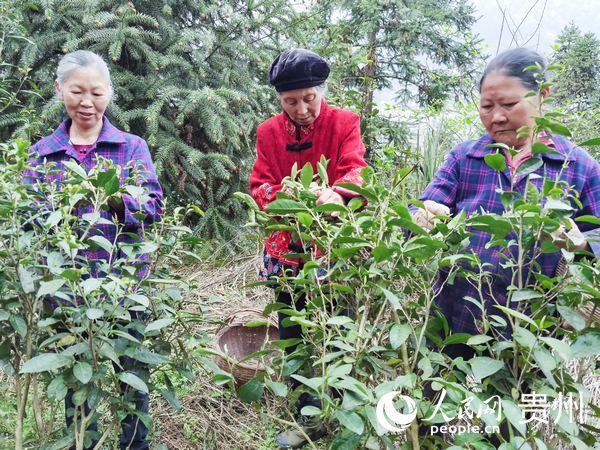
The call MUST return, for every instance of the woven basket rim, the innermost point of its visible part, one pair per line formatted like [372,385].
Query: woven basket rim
[251,365]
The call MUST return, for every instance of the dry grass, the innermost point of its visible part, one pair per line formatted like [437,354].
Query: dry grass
[211,417]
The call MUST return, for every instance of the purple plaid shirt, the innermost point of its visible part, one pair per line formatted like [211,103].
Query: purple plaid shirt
[124,149]
[464,182]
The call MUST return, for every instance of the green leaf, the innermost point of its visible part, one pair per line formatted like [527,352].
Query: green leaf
[346,441]
[310,410]
[45,363]
[589,142]
[457,338]
[483,366]
[572,317]
[57,389]
[330,207]
[112,186]
[529,166]
[72,166]
[305,219]
[547,363]
[553,126]
[148,357]
[399,334]
[525,294]
[322,170]
[560,347]
[49,287]
[89,285]
[517,314]
[382,253]
[351,421]
[26,279]
[53,219]
[514,415]
[496,161]
[538,148]
[314,383]
[83,372]
[587,344]
[277,388]
[479,339]
[103,243]
[18,324]
[94,313]
[339,320]
[588,219]
[73,275]
[141,299]
[285,206]
[134,381]
[80,396]
[306,175]
[170,396]
[252,391]
[158,325]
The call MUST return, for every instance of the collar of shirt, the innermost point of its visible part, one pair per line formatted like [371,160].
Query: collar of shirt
[561,147]
[60,138]
[293,129]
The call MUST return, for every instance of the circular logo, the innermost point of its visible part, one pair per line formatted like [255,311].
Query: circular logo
[390,418]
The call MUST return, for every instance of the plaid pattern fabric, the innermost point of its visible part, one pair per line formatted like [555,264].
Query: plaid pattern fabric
[464,182]
[124,149]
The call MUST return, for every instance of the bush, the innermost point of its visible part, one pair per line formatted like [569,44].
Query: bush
[66,322]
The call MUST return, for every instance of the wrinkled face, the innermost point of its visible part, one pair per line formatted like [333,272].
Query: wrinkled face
[503,108]
[86,94]
[302,105]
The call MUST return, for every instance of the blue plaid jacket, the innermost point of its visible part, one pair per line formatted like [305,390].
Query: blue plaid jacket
[464,182]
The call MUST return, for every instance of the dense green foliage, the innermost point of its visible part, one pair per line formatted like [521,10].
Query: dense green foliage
[577,86]
[65,321]
[370,325]
[191,77]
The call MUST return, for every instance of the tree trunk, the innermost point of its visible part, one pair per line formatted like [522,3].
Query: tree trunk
[368,74]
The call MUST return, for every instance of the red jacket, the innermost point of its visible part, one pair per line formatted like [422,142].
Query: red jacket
[335,134]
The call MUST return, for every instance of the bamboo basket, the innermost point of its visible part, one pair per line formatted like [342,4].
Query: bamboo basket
[237,341]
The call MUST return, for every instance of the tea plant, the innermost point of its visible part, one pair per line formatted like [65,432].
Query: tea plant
[80,327]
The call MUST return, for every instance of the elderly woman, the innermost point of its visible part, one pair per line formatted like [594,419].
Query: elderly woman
[466,183]
[307,129]
[83,84]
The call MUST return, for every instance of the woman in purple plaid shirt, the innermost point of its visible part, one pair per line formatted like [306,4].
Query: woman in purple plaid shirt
[464,182]
[83,85]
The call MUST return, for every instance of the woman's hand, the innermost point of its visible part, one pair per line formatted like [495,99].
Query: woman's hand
[425,218]
[571,240]
[328,195]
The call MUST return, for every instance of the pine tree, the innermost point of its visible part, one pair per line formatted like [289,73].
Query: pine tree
[422,51]
[577,85]
[190,77]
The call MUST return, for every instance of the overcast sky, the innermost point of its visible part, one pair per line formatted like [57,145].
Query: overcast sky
[540,24]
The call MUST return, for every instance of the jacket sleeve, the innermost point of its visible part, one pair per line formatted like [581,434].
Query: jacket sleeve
[444,185]
[351,159]
[590,202]
[31,175]
[149,201]
[263,185]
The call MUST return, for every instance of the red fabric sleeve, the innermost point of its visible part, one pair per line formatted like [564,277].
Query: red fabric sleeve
[263,185]
[351,159]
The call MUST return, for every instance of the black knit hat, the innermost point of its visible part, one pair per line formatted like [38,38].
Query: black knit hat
[296,69]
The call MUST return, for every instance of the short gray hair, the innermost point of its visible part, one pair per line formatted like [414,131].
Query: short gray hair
[77,60]
[321,88]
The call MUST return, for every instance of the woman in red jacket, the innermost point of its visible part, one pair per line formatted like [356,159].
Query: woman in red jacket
[307,129]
